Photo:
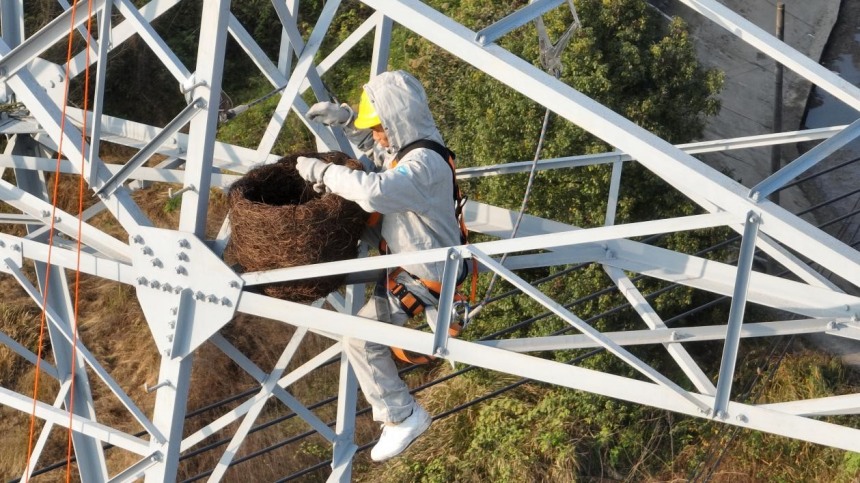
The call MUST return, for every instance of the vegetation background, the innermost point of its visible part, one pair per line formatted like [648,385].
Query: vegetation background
[625,56]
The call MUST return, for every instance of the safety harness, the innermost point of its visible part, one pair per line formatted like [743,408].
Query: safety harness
[409,302]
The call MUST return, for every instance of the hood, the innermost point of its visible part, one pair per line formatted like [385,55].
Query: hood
[401,104]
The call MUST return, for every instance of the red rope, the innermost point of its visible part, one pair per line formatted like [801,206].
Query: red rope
[48,270]
[80,236]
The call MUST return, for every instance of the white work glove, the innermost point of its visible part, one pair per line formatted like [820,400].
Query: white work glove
[330,114]
[313,170]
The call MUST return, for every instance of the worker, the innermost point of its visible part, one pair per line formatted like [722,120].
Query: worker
[414,196]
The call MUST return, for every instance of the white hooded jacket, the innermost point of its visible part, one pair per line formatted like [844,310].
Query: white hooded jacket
[415,197]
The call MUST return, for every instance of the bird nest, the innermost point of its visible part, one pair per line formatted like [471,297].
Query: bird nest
[279,221]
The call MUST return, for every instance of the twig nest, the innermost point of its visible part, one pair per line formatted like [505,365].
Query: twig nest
[279,221]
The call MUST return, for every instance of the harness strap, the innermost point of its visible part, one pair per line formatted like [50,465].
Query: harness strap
[412,305]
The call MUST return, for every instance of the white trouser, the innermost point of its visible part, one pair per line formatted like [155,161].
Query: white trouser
[374,368]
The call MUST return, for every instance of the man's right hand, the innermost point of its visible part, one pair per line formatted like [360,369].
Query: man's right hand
[330,114]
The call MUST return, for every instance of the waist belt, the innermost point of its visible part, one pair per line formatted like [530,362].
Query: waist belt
[413,305]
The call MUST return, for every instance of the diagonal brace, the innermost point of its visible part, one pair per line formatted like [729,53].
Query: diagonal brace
[181,119]
[586,329]
[806,161]
[736,315]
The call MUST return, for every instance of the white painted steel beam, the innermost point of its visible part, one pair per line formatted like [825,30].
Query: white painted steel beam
[236,413]
[701,147]
[650,317]
[586,329]
[640,392]
[668,335]
[56,321]
[63,222]
[536,242]
[84,426]
[716,277]
[827,406]
[704,185]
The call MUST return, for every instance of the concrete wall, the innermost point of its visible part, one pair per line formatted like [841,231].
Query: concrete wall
[748,93]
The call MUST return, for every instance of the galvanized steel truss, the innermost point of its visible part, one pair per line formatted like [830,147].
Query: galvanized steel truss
[187,302]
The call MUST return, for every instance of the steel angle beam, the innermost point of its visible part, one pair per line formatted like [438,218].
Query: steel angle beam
[702,184]
[142,156]
[546,241]
[137,135]
[650,317]
[586,329]
[551,372]
[47,113]
[666,335]
[40,41]
[143,29]
[236,413]
[63,221]
[719,278]
[81,425]
[123,31]
[806,161]
[303,67]
[827,406]
[143,173]
[701,147]
[515,20]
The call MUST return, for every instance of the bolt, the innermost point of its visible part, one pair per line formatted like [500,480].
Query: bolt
[157,263]
[177,289]
[741,418]
[832,325]
[184,243]
[169,337]
[141,280]
[674,336]
[16,248]
[154,284]
[166,352]
[174,310]
[200,295]
[166,287]
[138,239]
[212,298]
[441,352]
[146,250]
[2,244]
[57,219]
[181,270]
[181,256]
[226,302]
[46,213]
[172,324]
[234,284]
[722,415]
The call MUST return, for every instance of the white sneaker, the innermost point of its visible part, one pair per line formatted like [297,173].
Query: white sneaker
[396,438]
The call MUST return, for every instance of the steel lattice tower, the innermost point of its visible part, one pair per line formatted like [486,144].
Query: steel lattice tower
[188,303]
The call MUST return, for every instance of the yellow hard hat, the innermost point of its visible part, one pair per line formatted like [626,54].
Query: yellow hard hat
[367,117]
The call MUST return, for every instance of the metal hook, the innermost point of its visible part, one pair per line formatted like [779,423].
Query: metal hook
[173,194]
[550,54]
[160,384]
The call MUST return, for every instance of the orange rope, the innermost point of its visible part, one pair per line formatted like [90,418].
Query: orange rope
[55,193]
[80,236]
